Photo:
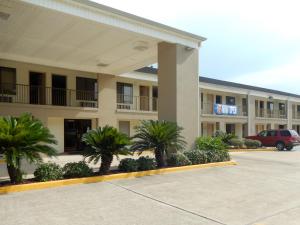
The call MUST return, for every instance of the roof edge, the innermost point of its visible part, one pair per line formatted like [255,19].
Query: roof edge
[152,70]
[139,19]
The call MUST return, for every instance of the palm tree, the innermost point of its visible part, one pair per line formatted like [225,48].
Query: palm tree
[23,137]
[104,143]
[160,136]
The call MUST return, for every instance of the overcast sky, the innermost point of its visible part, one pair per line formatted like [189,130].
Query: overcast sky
[255,42]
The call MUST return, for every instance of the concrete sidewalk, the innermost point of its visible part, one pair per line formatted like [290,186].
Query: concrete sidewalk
[263,189]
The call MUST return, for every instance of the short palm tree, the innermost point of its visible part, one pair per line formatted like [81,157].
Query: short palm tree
[104,143]
[23,137]
[160,136]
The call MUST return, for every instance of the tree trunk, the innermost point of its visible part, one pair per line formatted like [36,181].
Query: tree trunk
[160,159]
[15,174]
[106,161]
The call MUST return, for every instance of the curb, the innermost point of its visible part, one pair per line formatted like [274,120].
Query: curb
[87,180]
[253,150]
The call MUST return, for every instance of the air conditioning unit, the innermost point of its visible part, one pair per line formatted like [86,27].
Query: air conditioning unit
[6,99]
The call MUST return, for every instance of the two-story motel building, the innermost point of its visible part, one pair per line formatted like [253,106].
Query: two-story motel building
[70,64]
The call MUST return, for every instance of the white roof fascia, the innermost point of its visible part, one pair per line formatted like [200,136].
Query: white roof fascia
[116,18]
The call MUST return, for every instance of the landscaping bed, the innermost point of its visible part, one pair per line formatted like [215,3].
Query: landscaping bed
[31,184]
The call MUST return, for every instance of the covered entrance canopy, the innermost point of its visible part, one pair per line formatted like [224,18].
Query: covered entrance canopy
[87,36]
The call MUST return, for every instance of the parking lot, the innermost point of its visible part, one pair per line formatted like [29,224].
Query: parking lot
[263,189]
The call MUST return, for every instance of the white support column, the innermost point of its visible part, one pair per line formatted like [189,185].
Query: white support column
[107,100]
[222,126]
[251,114]
[178,83]
[289,114]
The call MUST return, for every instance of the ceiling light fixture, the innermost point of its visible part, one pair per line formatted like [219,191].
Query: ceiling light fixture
[103,64]
[140,45]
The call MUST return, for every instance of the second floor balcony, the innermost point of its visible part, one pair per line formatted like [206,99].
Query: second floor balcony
[137,103]
[39,95]
[271,113]
[225,110]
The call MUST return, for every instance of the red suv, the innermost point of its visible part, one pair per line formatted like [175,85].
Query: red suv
[281,139]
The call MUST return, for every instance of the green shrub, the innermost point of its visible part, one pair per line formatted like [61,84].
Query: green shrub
[128,165]
[237,143]
[146,163]
[48,171]
[196,156]
[225,137]
[213,148]
[77,169]
[178,159]
[208,143]
[217,155]
[252,143]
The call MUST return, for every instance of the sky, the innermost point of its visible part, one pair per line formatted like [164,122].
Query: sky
[253,42]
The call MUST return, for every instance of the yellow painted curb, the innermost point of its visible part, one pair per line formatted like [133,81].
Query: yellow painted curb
[253,150]
[87,180]
[2,161]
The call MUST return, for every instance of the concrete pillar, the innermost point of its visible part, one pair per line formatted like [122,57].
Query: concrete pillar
[107,100]
[251,115]
[178,88]
[222,126]
[289,115]
[239,130]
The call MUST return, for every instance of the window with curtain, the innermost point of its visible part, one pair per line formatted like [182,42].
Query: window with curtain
[86,89]
[230,100]
[7,80]
[124,93]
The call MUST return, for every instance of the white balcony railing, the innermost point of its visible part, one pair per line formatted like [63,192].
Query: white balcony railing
[136,103]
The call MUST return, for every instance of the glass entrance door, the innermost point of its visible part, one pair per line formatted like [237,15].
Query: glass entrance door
[74,129]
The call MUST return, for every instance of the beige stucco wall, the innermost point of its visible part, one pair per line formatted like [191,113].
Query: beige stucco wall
[53,116]
[56,127]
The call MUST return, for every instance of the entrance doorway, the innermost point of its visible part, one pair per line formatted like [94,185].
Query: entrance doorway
[59,85]
[230,128]
[37,88]
[74,129]
[144,98]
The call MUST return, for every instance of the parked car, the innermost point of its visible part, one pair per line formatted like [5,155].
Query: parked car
[281,139]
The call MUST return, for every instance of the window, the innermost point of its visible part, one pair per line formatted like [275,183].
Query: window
[263,133]
[86,89]
[294,133]
[230,100]
[272,133]
[244,106]
[230,128]
[261,104]
[281,106]
[218,99]
[124,93]
[7,80]
[270,106]
[298,108]
[285,133]
[124,127]
[154,98]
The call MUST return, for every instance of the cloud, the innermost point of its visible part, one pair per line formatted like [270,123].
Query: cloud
[255,42]
[284,78]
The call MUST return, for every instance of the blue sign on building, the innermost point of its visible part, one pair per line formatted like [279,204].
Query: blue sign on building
[220,109]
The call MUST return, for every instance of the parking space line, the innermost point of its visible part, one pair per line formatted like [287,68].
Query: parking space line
[168,204]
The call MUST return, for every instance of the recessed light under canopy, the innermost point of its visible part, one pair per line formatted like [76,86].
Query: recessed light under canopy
[140,45]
